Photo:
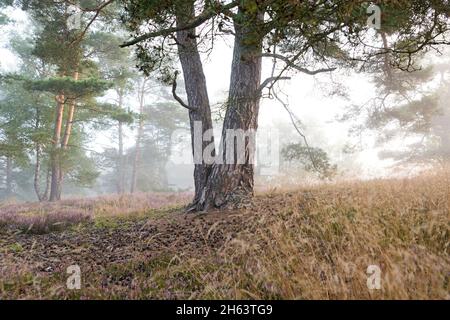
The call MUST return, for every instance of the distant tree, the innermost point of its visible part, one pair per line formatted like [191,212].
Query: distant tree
[410,108]
[142,88]
[27,113]
[157,54]
[60,42]
[313,160]
[159,121]
[20,129]
[116,67]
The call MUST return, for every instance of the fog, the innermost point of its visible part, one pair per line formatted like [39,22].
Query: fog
[318,103]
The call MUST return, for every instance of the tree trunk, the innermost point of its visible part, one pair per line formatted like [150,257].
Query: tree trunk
[197,95]
[70,116]
[37,167]
[120,163]
[231,179]
[55,185]
[48,179]
[37,172]
[137,149]
[66,138]
[8,170]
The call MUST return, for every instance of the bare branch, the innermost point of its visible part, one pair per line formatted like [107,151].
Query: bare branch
[293,118]
[178,98]
[271,80]
[97,13]
[291,64]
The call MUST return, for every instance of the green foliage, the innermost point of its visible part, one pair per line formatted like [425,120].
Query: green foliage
[410,108]
[154,55]
[49,55]
[161,120]
[84,171]
[311,159]
[67,85]
[3,19]
[123,117]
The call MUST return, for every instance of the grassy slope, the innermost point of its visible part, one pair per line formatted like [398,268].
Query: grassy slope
[314,243]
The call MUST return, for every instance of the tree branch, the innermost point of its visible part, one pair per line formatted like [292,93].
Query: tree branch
[270,81]
[97,13]
[197,21]
[178,98]
[291,115]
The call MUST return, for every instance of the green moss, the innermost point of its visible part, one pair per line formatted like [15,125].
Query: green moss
[16,247]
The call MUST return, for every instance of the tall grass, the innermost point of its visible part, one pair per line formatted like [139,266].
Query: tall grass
[318,244]
[314,243]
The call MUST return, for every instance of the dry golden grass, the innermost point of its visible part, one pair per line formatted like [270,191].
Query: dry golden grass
[314,243]
[318,244]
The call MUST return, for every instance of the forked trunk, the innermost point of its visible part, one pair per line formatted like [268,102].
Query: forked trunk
[230,183]
[70,117]
[55,186]
[66,137]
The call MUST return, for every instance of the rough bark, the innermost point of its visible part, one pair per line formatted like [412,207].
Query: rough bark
[232,184]
[197,95]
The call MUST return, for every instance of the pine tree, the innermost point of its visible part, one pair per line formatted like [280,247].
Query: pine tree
[306,36]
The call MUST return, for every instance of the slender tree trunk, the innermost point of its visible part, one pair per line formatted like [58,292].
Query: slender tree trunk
[69,123]
[48,180]
[66,137]
[37,172]
[37,167]
[137,149]
[197,95]
[55,156]
[230,184]
[121,160]
[9,165]
[3,176]
[120,163]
